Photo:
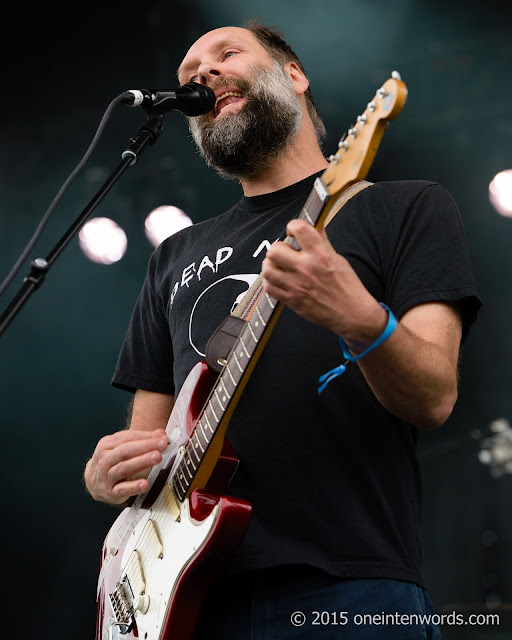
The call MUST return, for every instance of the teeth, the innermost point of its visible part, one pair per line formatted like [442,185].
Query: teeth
[226,94]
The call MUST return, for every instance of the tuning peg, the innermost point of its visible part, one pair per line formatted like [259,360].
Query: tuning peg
[362,119]
[353,132]
[372,105]
[343,144]
[396,75]
[381,92]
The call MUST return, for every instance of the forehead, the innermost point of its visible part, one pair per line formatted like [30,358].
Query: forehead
[217,39]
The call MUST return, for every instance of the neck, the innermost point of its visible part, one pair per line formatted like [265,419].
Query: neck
[300,160]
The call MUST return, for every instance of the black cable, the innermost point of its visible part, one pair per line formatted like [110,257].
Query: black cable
[37,234]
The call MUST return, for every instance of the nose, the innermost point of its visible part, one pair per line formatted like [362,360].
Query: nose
[206,71]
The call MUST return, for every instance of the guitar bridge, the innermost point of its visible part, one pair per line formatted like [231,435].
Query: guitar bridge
[122,605]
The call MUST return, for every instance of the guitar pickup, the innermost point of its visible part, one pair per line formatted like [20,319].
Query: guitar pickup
[151,536]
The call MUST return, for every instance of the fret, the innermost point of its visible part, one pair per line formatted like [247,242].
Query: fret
[308,217]
[314,204]
[184,466]
[244,347]
[208,422]
[198,444]
[218,400]
[200,426]
[237,362]
[223,384]
[260,317]
[252,332]
[183,490]
[269,300]
[189,461]
[256,328]
[229,387]
[230,375]
[214,414]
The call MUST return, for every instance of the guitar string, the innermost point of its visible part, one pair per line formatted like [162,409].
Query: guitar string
[315,204]
[305,211]
[161,515]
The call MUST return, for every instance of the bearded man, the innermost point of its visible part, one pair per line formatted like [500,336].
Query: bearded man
[333,478]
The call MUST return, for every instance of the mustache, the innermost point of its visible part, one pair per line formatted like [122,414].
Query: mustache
[224,81]
[244,86]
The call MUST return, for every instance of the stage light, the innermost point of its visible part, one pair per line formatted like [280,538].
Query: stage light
[496,447]
[163,221]
[103,241]
[500,193]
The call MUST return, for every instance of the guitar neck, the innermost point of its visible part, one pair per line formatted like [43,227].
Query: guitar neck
[349,165]
[224,397]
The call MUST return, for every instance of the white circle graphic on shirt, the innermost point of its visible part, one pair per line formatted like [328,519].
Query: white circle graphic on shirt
[211,303]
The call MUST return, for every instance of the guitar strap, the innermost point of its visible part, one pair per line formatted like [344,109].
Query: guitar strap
[224,337]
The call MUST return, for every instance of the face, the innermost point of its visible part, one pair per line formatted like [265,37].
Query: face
[257,113]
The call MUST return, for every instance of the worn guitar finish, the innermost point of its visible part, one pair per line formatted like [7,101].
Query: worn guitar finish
[162,553]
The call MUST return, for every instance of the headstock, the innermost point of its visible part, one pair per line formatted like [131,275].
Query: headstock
[357,148]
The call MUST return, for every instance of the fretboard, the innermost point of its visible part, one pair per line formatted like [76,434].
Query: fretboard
[236,367]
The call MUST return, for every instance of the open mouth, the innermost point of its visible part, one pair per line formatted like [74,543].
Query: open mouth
[226,99]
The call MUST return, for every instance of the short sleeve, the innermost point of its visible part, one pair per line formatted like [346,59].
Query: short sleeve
[429,260]
[146,357]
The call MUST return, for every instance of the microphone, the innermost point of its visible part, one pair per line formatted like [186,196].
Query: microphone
[192,99]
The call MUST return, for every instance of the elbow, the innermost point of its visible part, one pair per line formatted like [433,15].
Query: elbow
[438,412]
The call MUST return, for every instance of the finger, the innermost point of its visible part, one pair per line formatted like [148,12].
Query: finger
[127,444]
[281,256]
[128,435]
[275,291]
[150,447]
[124,490]
[305,234]
[128,468]
[275,288]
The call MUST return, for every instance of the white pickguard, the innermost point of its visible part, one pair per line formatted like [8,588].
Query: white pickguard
[181,540]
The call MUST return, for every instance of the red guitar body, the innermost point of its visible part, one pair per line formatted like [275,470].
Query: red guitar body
[159,560]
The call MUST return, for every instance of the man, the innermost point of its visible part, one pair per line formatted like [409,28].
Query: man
[333,478]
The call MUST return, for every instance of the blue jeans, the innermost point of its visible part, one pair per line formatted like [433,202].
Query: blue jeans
[302,603]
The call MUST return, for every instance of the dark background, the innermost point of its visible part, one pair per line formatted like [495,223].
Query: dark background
[61,67]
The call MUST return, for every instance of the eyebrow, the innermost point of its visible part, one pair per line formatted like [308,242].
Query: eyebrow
[228,40]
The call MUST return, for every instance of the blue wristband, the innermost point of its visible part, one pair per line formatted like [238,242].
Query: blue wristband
[334,373]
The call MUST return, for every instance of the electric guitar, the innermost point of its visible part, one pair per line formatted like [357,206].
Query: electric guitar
[162,553]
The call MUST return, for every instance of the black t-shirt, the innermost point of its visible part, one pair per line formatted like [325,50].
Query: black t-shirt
[333,479]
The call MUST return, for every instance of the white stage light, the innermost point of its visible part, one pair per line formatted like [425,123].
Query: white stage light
[500,193]
[163,221]
[103,241]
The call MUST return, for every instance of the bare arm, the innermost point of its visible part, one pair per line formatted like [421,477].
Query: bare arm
[122,461]
[414,373]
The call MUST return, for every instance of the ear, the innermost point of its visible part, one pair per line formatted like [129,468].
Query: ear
[300,82]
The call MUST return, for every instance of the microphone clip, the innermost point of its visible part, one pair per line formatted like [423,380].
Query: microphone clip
[192,99]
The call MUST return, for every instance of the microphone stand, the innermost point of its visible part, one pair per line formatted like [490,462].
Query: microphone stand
[147,135]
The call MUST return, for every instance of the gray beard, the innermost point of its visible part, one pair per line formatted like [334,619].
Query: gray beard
[242,144]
